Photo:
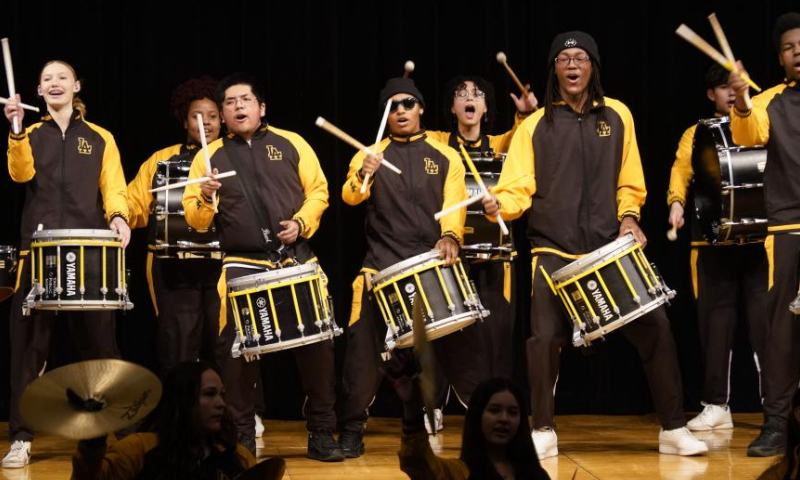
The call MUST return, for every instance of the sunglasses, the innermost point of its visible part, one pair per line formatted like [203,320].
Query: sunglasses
[407,103]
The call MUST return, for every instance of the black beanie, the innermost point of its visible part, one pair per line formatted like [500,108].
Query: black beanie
[784,23]
[574,39]
[399,85]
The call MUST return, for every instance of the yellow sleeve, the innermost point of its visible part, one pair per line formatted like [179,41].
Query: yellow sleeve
[199,209]
[121,461]
[501,143]
[20,156]
[518,168]
[455,191]
[441,137]
[682,171]
[112,180]
[417,460]
[752,128]
[631,190]
[315,186]
[351,190]
[140,200]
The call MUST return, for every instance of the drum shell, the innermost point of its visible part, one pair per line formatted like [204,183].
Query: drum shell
[481,235]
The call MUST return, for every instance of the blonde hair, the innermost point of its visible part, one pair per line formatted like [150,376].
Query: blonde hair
[77,103]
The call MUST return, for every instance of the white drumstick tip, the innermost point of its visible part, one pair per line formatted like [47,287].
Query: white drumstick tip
[320,121]
[409,66]
[501,57]
[672,234]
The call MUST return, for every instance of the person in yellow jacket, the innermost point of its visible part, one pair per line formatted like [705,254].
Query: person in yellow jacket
[722,276]
[585,188]
[74,180]
[267,213]
[399,225]
[183,285]
[774,121]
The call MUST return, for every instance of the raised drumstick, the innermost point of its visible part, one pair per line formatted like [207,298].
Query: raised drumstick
[336,132]
[23,105]
[379,137]
[193,181]
[202,130]
[501,59]
[12,91]
[726,49]
[688,34]
[408,67]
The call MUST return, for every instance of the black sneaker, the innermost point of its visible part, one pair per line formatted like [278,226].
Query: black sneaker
[352,444]
[322,447]
[770,442]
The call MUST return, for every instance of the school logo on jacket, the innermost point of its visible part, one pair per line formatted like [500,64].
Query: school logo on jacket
[84,147]
[274,153]
[603,129]
[431,168]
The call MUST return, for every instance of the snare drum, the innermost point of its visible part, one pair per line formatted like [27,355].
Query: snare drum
[77,270]
[281,309]
[728,185]
[482,238]
[449,300]
[608,288]
[170,233]
[8,271]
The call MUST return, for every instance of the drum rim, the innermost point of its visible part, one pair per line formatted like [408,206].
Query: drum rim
[482,155]
[590,259]
[270,276]
[75,233]
[416,261]
[288,344]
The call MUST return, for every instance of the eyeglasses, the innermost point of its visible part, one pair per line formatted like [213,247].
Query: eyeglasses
[233,101]
[579,61]
[407,103]
[465,93]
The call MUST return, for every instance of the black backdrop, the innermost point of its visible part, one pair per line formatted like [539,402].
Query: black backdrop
[330,58]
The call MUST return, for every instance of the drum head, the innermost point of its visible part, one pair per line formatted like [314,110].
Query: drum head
[272,276]
[405,265]
[588,261]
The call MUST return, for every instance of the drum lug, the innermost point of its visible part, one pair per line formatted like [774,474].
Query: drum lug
[278,334]
[301,327]
[60,290]
[794,307]
[83,291]
[104,290]
[30,300]
[577,338]
[596,320]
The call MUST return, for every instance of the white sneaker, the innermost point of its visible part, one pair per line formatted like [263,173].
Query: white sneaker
[259,427]
[438,417]
[680,441]
[711,418]
[18,456]
[546,442]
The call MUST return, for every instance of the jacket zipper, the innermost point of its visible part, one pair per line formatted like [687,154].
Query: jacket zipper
[63,177]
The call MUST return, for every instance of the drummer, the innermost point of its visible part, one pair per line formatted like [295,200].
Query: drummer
[586,189]
[723,277]
[183,289]
[470,103]
[74,180]
[266,214]
[400,224]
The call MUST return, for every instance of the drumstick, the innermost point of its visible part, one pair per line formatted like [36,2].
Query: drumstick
[726,49]
[379,137]
[479,181]
[202,132]
[336,132]
[672,234]
[501,59]
[23,105]
[12,92]
[478,198]
[193,181]
[687,34]
[408,67]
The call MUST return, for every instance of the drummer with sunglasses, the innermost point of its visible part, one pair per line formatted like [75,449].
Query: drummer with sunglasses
[400,224]
[585,189]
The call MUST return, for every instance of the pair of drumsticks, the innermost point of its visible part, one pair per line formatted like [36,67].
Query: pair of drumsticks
[726,60]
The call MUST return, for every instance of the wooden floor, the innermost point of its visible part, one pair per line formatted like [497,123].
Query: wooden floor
[597,447]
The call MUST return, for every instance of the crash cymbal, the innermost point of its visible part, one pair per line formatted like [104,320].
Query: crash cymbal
[424,354]
[90,399]
[270,469]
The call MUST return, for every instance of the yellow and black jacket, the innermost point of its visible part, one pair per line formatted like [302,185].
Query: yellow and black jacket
[128,458]
[59,171]
[484,143]
[288,181]
[140,200]
[774,121]
[584,174]
[400,208]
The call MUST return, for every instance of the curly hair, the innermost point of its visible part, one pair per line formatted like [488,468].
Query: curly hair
[457,83]
[189,91]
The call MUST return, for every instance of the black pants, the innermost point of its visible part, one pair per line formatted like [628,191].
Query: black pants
[724,277]
[315,363]
[93,334]
[187,304]
[552,330]
[460,355]
[782,358]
